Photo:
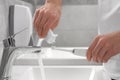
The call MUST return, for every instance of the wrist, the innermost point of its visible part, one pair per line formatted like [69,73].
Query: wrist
[57,3]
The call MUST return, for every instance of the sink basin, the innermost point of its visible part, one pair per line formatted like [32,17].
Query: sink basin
[58,65]
[34,73]
[63,73]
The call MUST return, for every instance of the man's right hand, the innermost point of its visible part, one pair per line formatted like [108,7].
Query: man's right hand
[47,17]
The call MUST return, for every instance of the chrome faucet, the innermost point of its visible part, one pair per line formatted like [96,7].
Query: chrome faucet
[11,50]
[10,53]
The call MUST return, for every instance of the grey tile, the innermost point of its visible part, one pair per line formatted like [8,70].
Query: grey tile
[92,1]
[71,2]
[69,38]
[78,17]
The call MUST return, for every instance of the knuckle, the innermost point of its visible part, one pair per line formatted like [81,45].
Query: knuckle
[99,36]
[42,12]
[37,10]
[47,12]
[102,40]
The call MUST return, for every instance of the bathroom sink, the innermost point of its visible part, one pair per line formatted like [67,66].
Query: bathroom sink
[34,73]
[57,64]
[63,73]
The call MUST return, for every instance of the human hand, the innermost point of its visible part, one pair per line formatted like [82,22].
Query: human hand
[104,47]
[47,17]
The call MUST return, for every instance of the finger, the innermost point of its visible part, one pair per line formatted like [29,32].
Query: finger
[38,16]
[46,28]
[108,55]
[39,27]
[92,46]
[37,13]
[53,18]
[35,16]
[50,22]
[96,50]
[38,21]
[53,26]
[45,32]
[103,52]
[44,22]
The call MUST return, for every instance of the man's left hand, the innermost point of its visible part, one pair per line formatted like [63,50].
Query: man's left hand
[104,47]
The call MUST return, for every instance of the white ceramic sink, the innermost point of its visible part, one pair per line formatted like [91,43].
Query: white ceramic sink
[58,65]
[22,73]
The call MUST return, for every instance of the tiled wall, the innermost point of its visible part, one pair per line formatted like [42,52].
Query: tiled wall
[78,25]
[79,2]
[68,2]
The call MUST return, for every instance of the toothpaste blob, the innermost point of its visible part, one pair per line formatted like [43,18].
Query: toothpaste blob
[51,37]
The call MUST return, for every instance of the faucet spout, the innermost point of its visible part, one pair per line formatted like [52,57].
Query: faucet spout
[9,56]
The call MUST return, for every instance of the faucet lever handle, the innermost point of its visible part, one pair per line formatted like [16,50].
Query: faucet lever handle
[9,42]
